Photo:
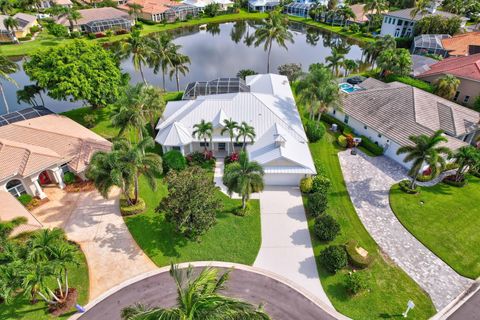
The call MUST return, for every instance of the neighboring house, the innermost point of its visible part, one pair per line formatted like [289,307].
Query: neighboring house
[37,147]
[421,64]
[162,10]
[401,24]
[25,22]
[361,17]
[429,43]
[50,3]
[388,113]
[465,68]
[262,5]
[100,20]
[12,208]
[462,44]
[299,8]
[265,102]
[201,4]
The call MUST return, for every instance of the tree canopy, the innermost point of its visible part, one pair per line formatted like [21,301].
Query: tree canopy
[77,71]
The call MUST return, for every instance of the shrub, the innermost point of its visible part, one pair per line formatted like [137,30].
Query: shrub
[89,120]
[405,187]
[404,42]
[317,203]
[232,158]
[332,120]
[306,184]
[321,184]
[128,210]
[75,34]
[350,142]
[206,161]
[425,178]
[174,160]
[326,228]
[451,166]
[69,177]
[342,141]
[25,199]
[371,146]
[450,180]
[91,36]
[356,259]
[476,104]
[100,35]
[314,130]
[121,31]
[333,258]
[27,38]
[319,167]
[355,28]
[355,282]
[34,29]
[411,81]
[57,30]
[347,131]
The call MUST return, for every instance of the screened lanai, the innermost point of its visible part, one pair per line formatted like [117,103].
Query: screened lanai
[429,43]
[217,86]
[28,113]
[181,12]
[298,9]
[107,24]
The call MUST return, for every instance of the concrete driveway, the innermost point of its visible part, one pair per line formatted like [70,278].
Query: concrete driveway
[286,245]
[96,224]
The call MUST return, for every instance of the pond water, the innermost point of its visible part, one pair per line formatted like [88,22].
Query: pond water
[219,51]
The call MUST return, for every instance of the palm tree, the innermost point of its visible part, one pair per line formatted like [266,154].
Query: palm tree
[179,63]
[162,51]
[203,130]
[421,6]
[425,149]
[198,298]
[447,86]
[376,7]
[134,10]
[350,66]
[243,177]
[41,243]
[136,46]
[466,158]
[335,60]
[347,13]
[11,24]
[73,16]
[243,73]
[6,227]
[245,131]
[318,91]
[153,103]
[35,279]
[129,112]
[274,28]
[28,95]
[230,126]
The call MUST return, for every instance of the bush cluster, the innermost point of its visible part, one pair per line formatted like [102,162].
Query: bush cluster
[315,130]
[326,228]
[306,185]
[25,199]
[206,161]
[333,258]
[69,178]
[451,180]
[371,146]
[355,282]
[320,183]
[232,158]
[332,120]
[342,141]
[405,187]
[317,203]
[129,210]
[174,160]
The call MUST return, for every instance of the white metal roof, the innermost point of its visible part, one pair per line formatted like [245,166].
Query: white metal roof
[174,135]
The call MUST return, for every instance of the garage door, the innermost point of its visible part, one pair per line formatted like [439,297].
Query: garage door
[282,179]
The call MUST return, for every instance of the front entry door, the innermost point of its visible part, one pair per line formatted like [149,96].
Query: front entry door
[44,178]
[221,146]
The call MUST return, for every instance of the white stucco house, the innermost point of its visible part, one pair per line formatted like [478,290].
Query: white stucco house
[265,102]
[389,113]
[37,147]
[201,4]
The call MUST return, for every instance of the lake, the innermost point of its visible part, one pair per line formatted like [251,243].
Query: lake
[220,50]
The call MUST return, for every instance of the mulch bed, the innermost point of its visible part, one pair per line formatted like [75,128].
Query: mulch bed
[36,202]
[62,308]
[80,186]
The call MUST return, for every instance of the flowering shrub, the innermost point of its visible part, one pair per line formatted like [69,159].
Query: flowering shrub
[100,35]
[232,158]
[350,142]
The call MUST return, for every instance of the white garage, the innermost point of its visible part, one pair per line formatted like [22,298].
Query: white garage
[282,179]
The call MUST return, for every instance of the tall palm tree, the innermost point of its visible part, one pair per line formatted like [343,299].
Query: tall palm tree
[244,177]
[421,7]
[447,86]
[203,130]
[179,64]
[136,46]
[350,66]
[162,51]
[153,103]
[347,13]
[129,113]
[198,298]
[425,150]
[466,158]
[274,28]
[245,131]
[29,93]
[35,279]
[376,8]
[335,61]
[73,16]
[230,126]
[134,10]
[11,24]
[318,91]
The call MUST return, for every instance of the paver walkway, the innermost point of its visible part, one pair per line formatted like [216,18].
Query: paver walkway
[286,245]
[97,225]
[368,182]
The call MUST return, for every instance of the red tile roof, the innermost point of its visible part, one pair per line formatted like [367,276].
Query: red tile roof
[151,6]
[462,67]
[458,45]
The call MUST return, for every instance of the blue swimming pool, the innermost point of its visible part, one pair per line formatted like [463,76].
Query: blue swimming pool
[348,88]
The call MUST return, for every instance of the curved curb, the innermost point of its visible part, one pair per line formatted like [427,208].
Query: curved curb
[219,264]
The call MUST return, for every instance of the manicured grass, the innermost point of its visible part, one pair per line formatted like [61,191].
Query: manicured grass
[334,29]
[233,238]
[21,309]
[45,40]
[446,220]
[390,287]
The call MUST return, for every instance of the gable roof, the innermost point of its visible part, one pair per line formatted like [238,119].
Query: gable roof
[398,111]
[23,20]
[360,15]
[30,146]
[458,45]
[463,67]
[96,14]
[151,6]
[175,135]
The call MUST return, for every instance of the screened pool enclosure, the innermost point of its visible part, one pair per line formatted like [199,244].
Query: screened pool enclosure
[217,86]
[107,24]
[429,43]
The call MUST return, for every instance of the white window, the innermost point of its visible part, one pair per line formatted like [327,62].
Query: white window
[456,96]
[465,100]
[346,118]
[16,188]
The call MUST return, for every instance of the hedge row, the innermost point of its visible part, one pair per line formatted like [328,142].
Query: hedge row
[371,146]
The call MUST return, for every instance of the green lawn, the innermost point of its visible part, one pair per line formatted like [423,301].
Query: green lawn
[21,309]
[390,287]
[45,40]
[446,220]
[233,238]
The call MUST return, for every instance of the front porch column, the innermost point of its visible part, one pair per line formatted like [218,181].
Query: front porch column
[191,147]
[58,176]
[38,189]
[182,150]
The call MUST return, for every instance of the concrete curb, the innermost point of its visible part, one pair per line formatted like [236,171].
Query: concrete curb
[219,264]
[457,302]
